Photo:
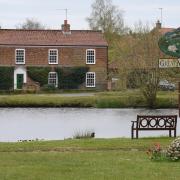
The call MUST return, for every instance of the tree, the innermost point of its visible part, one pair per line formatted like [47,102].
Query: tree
[30,24]
[137,55]
[106,17]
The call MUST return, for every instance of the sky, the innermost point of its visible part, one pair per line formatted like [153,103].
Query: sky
[49,13]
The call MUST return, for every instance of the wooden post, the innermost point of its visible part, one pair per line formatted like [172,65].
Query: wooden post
[179,98]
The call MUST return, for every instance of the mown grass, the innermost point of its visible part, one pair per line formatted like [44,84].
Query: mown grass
[121,99]
[85,159]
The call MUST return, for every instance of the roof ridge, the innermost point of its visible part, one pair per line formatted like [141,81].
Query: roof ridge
[59,30]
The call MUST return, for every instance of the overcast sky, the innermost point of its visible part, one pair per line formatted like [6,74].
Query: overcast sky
[13,12]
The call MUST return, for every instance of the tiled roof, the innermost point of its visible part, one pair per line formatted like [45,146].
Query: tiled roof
[51,38]
[165,30]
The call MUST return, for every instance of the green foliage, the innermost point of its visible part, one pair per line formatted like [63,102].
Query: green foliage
[6,78]
[39,74]
[71,77]
[156,153]
[84,135]
[48,88]
[136,77]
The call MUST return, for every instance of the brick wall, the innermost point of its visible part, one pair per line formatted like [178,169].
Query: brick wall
[68,57]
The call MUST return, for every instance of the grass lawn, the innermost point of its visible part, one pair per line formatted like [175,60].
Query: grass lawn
[118,99]
[85,159]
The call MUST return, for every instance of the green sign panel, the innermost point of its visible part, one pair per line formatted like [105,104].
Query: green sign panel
[170,43]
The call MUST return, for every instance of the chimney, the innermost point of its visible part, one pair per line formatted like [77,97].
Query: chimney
[158,24]
[66,28]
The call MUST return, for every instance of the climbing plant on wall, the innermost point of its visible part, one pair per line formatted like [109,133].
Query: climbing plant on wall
[39,74]
[71,77]
[6,78]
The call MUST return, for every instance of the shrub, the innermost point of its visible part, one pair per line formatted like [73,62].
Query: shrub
[71,77]
[157,153]
[84,135]
[39,74]
[48,87]
[6,78]
[173,150]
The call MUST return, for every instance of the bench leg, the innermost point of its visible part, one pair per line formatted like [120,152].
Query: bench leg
[137,135]
[175,133]
[132,133]
[170,133]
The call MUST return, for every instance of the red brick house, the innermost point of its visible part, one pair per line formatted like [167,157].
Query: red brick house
[76,54]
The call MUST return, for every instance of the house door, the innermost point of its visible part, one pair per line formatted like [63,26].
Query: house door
[20,80]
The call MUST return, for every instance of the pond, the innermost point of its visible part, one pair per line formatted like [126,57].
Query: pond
[61,123]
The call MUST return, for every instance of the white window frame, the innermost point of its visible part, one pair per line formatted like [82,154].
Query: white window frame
[56,85]
[94,56]
[24,55]
[94,85]
[50,55]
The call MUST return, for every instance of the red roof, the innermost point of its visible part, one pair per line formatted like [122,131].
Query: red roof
[165,30]
[51,38]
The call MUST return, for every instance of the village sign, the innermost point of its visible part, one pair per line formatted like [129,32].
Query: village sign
[170,45]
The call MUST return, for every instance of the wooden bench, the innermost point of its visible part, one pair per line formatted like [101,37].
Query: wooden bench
[145,123]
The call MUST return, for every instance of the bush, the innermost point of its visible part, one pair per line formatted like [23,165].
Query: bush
[71,77]
[84,135]
[173,150]
[156,153]
[48,87]
[39,74]
[6,78]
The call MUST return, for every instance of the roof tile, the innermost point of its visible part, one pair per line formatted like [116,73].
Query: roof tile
[51,37]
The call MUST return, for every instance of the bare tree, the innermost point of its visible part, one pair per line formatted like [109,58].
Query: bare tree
[137,55]
[106,17]
[30,24]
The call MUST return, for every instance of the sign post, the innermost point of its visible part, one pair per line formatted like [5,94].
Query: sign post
[170,45]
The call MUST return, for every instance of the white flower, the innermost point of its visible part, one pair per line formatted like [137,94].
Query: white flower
[172,48]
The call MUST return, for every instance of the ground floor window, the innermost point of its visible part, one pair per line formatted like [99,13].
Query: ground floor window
[53,79]
[90,79]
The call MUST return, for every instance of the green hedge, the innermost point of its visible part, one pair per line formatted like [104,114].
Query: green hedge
[39,74]
[6,78]
[68,77]
[71,77]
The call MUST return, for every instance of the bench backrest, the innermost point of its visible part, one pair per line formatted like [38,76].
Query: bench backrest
[157,122]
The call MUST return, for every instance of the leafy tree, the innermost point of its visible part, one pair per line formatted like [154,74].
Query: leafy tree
[30,24]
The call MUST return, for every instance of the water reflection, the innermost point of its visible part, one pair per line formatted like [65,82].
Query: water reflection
[59,123]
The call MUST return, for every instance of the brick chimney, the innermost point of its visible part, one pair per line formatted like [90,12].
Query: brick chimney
[158,24]
[66,27]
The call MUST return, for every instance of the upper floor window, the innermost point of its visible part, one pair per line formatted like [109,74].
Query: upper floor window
[53,79]
[90,79]
[53,56]
[90,56]
[20,56]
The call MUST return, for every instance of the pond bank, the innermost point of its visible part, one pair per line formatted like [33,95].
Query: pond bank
[96,100]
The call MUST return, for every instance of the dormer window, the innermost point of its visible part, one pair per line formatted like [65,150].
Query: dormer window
[90,56]
[20,56]
[53,56]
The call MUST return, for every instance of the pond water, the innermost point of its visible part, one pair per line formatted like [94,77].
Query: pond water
[60,123]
